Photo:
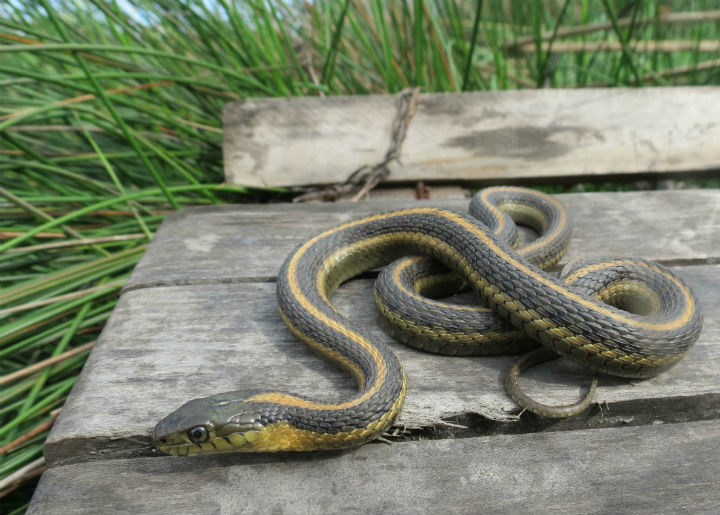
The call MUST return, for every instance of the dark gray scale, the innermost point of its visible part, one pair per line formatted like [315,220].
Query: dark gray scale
[536,210]
[338,420]
[537,294]
[424,327]
[665,304]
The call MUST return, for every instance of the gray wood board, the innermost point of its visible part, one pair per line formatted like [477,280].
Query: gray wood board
[475,137]
[250,242]
[404,194]
[669,468]
[165,345]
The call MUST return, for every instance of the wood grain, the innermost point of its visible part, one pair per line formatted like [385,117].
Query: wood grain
[669,468]
[476,137]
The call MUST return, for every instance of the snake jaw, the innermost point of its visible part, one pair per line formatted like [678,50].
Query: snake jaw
[220,423]
[173,436]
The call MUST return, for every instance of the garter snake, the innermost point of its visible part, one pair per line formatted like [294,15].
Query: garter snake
[571,315]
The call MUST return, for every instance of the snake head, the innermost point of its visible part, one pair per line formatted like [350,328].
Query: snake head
[220,423]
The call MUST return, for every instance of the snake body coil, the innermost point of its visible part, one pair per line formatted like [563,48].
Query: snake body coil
[568,315]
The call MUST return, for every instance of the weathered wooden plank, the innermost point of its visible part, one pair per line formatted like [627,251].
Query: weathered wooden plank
[250,242]
[475,137]
[404,194]
[670,468]
[165,345]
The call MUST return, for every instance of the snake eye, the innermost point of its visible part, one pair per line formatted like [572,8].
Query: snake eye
[198,434]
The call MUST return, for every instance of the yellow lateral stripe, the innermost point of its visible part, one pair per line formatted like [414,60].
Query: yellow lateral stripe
[356,337]
[290,400]
[607,264]
[497,212]
[682,320]
[671,325]
[410,261]
[460,336]
[596,306]
[562,223]
[461,221]
[331,354]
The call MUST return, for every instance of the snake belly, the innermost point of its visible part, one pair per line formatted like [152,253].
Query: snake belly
[571,320]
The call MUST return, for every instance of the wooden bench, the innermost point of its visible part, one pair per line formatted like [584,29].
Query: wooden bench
[199,316]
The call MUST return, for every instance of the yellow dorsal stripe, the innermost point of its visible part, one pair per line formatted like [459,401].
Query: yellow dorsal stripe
[562,222]
[353,335]
[499,215]
[674,324]
[497,212]
[488,241]
[411,261]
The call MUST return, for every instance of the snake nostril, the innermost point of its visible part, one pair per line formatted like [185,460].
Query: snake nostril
[159,434]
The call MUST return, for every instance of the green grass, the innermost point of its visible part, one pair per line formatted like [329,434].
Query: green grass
[110,119]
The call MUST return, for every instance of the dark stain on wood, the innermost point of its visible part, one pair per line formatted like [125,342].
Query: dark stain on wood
[529,142]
